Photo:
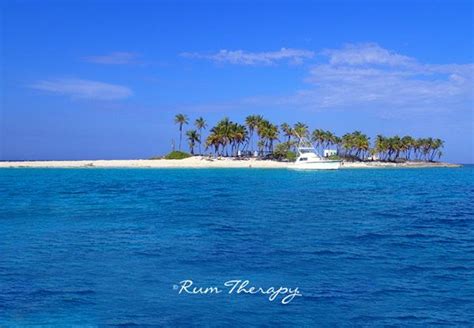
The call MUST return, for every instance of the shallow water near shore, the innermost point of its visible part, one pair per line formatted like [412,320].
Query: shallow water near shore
[105,247]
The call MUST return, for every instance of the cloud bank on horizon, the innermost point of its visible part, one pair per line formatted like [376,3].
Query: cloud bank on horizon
[356,74]
[363,74]
[369,74]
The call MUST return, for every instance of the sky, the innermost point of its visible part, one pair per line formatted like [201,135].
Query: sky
[104,79]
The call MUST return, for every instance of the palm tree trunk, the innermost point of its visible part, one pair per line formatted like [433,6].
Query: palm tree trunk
[200,138]
[251,141]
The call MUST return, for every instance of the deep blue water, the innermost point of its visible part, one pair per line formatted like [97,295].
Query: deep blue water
[104,247]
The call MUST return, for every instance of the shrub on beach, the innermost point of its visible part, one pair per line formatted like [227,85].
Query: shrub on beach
[291,156]
[177,155]
[282,152]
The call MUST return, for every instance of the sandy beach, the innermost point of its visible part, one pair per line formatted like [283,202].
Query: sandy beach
[202,162]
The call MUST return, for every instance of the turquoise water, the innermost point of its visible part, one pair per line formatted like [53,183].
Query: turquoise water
[105,247]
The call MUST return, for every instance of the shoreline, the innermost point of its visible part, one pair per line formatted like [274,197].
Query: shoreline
[204,162]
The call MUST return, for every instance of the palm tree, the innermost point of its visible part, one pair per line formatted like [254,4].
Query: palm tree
[348,144]
[200,124]
[221,135]
[355,142]
[407,146]
[381,145]
[287,131]
[301,130]
[225,127]
[193,136]
[416,148]
[330,138]
[213,140]
[436,146]
[362,144]
[239,136]
[269,134]
[338,142]
[180,119]
[252,122]
[396,146]
[318,137]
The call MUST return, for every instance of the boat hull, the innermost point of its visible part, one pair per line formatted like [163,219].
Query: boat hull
[316,165]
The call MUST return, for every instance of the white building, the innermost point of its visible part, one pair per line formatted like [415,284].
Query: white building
[329,152]
[374,157]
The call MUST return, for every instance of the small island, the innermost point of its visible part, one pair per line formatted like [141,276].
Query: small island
[258,143]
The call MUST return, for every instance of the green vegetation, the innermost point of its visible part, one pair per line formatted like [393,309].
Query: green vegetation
[193,137]
[334,157]
[176,154]
[252,122]
[283,152]
[228,138]
[301,130]
[391,149]
[355,145]
[291,156]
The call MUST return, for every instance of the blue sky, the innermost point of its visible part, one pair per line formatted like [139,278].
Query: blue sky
[104,79]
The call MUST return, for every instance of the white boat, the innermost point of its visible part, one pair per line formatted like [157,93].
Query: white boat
[309,159]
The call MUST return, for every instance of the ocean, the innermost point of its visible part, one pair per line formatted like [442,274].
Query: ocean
[116,247]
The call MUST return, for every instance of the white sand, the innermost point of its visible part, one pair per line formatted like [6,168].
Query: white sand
[200,162]
[369,165]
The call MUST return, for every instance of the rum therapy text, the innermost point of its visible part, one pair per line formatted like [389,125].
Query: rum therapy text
[239,287]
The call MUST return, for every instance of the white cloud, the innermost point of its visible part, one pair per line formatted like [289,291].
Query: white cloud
[85,89]
[367,76]
[366,53]
[240,57]
[115,58]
